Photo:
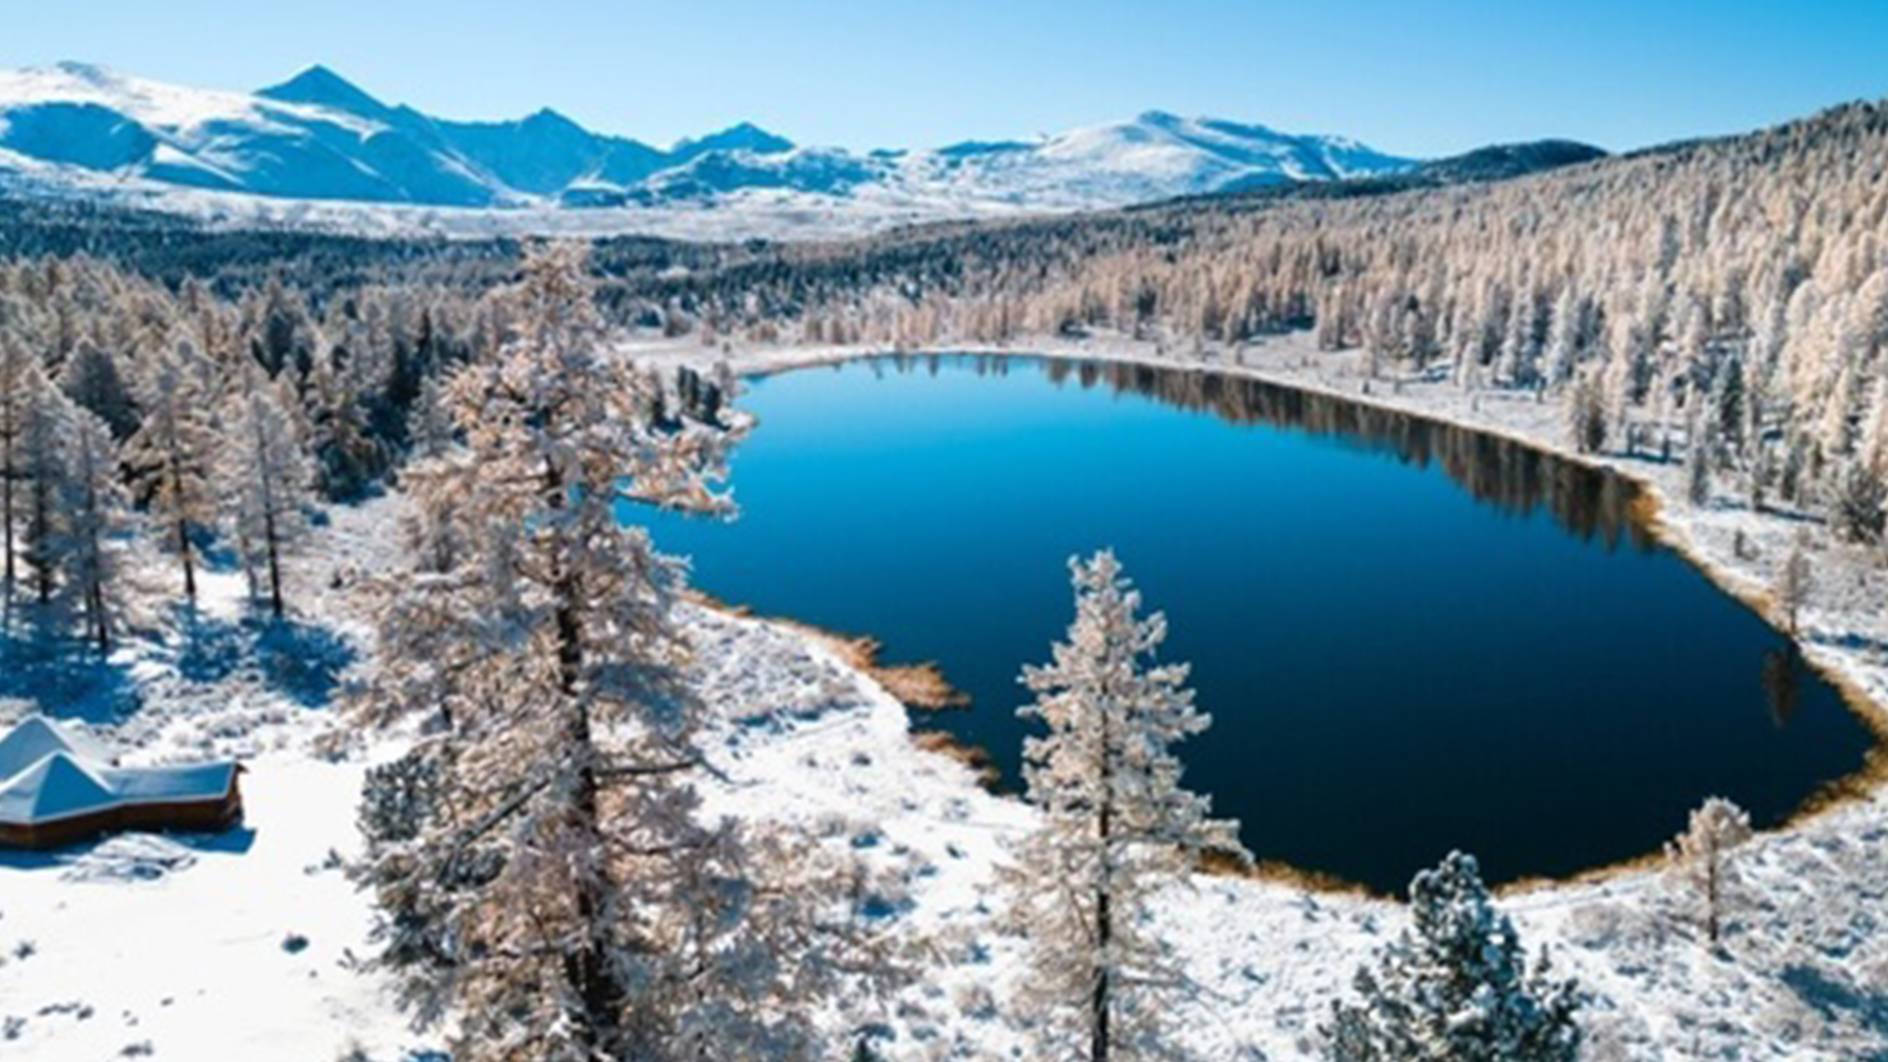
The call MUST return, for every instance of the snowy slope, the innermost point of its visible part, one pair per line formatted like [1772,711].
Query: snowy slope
[318,137]
[100,120]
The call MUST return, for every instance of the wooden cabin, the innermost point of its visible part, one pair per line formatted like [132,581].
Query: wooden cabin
[59,787]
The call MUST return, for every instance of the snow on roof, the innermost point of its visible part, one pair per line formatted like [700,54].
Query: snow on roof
[48,772]
[53,788]
[197,781]
[35,736]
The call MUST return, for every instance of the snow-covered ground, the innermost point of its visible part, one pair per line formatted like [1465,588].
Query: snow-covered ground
[238,945]
[243,946]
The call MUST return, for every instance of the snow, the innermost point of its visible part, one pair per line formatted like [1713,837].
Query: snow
[189,959]
[36,736]
[56,787]
[159,105]
[318,152]
[178,943]
[197,781]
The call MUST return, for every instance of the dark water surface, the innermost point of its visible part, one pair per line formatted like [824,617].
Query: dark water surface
[1411,637]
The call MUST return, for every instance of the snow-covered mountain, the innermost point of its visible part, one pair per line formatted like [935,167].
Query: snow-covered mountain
[319,137]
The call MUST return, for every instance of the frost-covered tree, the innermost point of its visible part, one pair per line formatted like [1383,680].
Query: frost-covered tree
[93,524]
[1586,414]
[1456,986]
[44,434]
[546,871]
[1699,444]
[1861,502]
[1793,585]
[267,474]
[429,427]
[172,454]
[1703,854]
[15,364]
[1117,826]
[91,378]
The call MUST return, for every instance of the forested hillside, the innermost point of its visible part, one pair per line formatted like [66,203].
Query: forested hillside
[1725,298]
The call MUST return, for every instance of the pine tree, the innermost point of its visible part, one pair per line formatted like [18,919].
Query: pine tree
[560,887]
[267,474]
[172,454]
[1117,827]
[1455,986]
[1703,851]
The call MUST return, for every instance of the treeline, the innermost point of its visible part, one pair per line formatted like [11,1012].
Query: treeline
[172,250]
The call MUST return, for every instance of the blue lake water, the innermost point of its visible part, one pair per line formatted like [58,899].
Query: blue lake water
[1411,637]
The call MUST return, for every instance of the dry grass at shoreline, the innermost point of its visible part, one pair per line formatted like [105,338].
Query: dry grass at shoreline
[976,757]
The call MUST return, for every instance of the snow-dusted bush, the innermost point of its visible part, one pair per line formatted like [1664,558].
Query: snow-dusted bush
[1456,986]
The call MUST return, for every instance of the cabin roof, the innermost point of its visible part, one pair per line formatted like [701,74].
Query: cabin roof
[36,735]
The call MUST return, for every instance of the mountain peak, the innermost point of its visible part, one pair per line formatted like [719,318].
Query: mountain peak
[83,71]
[546,118]
[321,86]
[744,136]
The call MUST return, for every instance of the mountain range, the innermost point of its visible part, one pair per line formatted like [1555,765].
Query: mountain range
[317,136]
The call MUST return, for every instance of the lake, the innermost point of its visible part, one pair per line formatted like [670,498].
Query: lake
[1411,637]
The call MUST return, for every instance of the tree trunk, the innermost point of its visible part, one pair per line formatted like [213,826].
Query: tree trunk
[1100,1005]
[190,569]
[6,478]
[42,526]
[275,563]
[183,534]
[587,968]
[101,628]
[1711,893]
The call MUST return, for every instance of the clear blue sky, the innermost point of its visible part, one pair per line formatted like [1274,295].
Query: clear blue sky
[1410,77]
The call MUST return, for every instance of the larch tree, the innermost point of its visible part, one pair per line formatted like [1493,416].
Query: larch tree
[44,435]
[267,474]
[1117,826]
[1793,585]
[1455,986]
[172,454]
[93,524]
[542,860]
[91,378]
[1703,852]
[14,366]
